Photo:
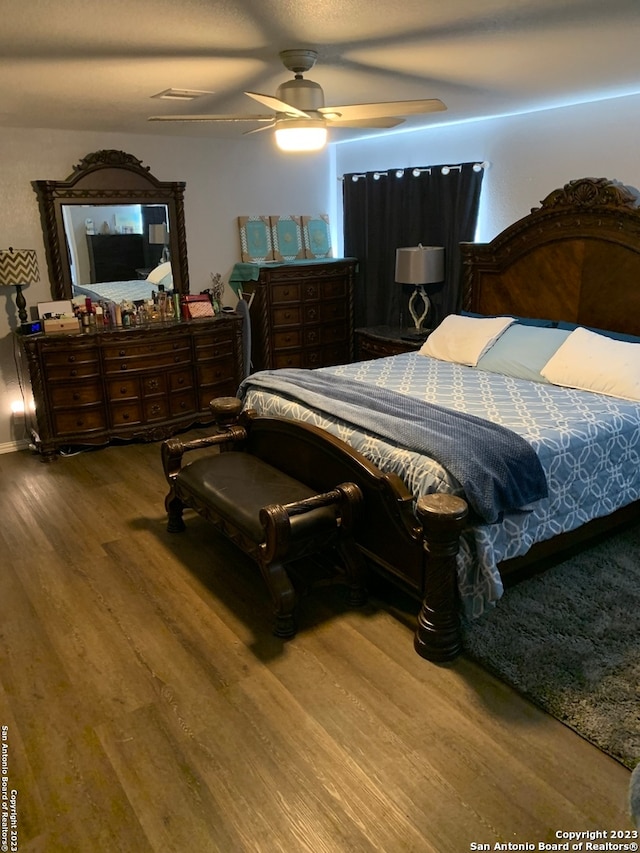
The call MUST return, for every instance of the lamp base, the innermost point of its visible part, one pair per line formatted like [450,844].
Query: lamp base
[418,319]
[21,304]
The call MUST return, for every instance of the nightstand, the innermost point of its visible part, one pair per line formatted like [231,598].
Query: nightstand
[380,341]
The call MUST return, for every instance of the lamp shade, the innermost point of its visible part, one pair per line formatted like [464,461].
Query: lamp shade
[158,234]
[420,264]
[18,267]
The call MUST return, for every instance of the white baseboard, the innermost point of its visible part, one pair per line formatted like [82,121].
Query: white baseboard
[11,446]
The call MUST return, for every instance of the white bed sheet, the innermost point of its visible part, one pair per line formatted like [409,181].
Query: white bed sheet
[117,291]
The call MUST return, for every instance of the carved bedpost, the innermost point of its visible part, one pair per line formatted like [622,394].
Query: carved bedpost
[437,635]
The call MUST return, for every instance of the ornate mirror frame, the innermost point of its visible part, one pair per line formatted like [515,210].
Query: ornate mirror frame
[102,178]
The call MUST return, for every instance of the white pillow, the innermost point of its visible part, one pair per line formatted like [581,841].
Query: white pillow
[157,275]
[593,362]
[464,339]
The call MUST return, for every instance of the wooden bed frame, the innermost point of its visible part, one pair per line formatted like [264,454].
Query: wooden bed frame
[576,258]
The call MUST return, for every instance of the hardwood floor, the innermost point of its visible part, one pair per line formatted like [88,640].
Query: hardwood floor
[148,707]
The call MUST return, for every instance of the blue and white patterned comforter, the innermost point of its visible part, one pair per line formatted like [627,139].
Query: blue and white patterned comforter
[588,445]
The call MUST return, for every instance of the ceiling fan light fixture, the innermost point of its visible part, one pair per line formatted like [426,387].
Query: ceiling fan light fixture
[300,135]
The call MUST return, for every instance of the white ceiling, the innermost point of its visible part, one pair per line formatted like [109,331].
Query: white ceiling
[94,64]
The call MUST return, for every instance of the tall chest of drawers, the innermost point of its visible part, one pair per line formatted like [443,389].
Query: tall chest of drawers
[301,314]
[139,383]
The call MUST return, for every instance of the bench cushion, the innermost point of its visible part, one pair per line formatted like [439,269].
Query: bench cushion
[238,485]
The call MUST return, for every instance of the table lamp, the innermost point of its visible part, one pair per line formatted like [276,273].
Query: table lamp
[19,268]
[159,236]
[419,265]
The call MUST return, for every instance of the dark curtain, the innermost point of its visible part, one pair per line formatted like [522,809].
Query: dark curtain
[384,211]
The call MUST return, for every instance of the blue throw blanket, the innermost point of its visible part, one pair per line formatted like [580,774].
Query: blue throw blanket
[498,470]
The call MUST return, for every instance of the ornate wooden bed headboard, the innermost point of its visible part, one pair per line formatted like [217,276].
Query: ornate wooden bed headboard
[575,258]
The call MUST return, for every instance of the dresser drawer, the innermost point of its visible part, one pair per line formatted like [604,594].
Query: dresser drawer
[58,355]
[284,340]
[335,309]
[337,354]
[77,394]
[79,370]
[156,409]
[146,362]
[182,403]
[124,414]
[75,422]
[291,316]
[221,348]
[332,333]
[180,380]
[125,349]
[288,359]
[334,289]
[285,293]
[124,388]
[212,372]
[153,384]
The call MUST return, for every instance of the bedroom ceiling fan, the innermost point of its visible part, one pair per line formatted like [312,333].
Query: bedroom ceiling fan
[301,118]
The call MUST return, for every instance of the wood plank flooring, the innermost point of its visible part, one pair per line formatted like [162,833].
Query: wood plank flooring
[148,707]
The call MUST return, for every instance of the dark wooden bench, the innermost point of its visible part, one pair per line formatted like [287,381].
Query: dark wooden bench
[254,488]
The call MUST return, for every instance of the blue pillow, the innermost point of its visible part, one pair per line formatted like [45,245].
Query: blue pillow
[616,336]
[522,351]
[523,321]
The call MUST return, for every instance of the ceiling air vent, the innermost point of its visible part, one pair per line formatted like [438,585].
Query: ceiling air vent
[181,94]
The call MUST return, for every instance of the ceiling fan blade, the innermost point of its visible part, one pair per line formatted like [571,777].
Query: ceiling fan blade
[382,110]
[259,129]
[388,121]
[277,105]
[211,118]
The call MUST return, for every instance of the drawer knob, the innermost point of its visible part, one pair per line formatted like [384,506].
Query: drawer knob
[123,367]
[76,396]
[73,373]
[181,380]
[71,358]
[122,353]
[123,390]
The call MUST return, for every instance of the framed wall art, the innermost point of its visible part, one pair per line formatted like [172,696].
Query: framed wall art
[316,236]
[255,239]
[286,238]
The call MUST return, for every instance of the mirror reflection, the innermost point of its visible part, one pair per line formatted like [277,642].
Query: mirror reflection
[114,232]
[118,251]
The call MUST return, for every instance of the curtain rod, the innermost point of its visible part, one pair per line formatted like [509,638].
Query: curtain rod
[417,171]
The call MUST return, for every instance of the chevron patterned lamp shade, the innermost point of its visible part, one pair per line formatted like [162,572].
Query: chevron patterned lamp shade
[19,267]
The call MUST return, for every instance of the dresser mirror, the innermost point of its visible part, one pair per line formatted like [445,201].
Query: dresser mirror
[113,231]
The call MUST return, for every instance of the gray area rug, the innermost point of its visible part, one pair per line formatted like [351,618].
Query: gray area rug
[569,640]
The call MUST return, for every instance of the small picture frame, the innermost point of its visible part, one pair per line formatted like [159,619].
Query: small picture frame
[255,239]
[317,236]
[286,238]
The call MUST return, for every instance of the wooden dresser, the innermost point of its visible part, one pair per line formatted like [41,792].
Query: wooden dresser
[301,312]
[138,383]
